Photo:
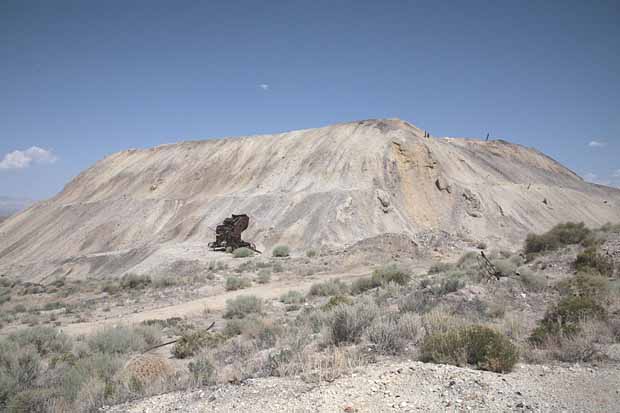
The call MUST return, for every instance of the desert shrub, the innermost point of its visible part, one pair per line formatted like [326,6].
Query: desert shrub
[134,281]
[242,252]
[264,276]
[531,280]
[362,285]
[46,340]
[19,308]
[468,260]
[561,235]
[563,319]
[163,281]
[335,301]
[191,343]
[440,267]
[116,340]
[416,302]
[410,326]
[447,285]
[481,245]
[19,368]
[385,334]
[280,251]
[348,322]
[292,297]
[202,370]
[391,273]
[590,260]
[311,253]
[328,288]
[476,345]
[277,267]
[243,305]
[236,283]
[585,284]
[506,267]
[31,401]
[609,227]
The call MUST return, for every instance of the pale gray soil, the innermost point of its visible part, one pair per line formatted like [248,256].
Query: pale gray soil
[407,387]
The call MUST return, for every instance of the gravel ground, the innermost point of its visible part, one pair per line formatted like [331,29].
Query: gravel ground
[407,387]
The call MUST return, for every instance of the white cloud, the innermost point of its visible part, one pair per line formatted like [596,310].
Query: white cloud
[264,86]
[597,144]
[23,159]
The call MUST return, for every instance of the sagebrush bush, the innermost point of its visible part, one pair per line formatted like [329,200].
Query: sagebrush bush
[328,288]
[335,301]
[447,285]
[134,281]
[243,305]
[264,276]
[236,283]
[242,252]
[202,370]
[46,340]
[280,251]
[416,302]
[585,284]
[385,333]
[391,273]
[476,345]
[362,285]
[348,322]
[590,260]
[568,233]
[292,297]
[563,319]
[193,342]
[117,340]
[20,366]
[311,253]
[530,280]
[440,267]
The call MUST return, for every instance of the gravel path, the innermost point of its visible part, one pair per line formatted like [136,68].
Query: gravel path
[407,387]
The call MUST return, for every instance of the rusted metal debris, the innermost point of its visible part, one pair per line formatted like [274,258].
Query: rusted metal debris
[488,267]
[228,234]
[173,341]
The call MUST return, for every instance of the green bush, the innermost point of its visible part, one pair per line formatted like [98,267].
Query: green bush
[134,281]
[243,305]
[506,267]
[590,260]
[292,297]
[31,401]
[20,366]
[568,233]
[46,340]
[530,280]
[191,343]
[362,285]
[280,251]
[391,273]
[447,285]
[236,283]
[242,252]
[311,253]
[328,288]
[563,319]
[348,322]
[416,302]
[476,345]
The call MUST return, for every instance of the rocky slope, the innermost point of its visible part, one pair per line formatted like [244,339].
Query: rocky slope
[331,186]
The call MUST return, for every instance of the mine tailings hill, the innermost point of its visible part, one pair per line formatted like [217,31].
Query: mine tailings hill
[332,186]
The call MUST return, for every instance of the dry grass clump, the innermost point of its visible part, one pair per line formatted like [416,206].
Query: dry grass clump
[475,345]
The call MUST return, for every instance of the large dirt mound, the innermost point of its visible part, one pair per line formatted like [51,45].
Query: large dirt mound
[331,186]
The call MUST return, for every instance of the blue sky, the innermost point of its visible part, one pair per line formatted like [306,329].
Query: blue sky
[82,79]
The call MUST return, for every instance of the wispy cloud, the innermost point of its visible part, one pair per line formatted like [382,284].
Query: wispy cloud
[264,86]
[616,173]
[24,159]
[597,144]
